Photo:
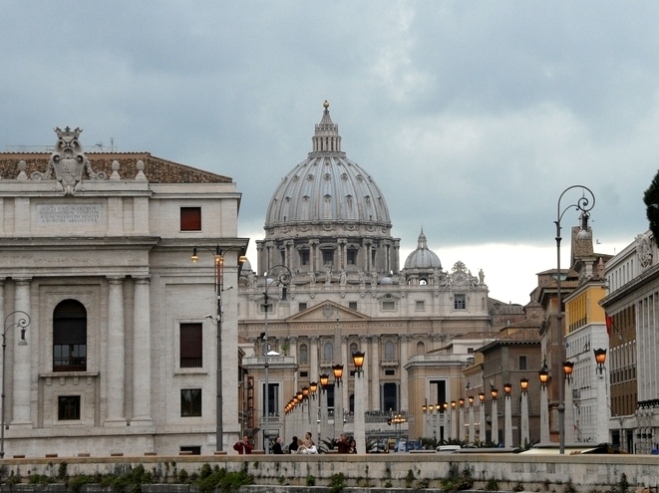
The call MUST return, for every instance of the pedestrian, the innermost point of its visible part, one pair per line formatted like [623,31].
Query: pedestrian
[244,447]
[352,449]
[276,447]
[307,446]
[292,447]
[342,444]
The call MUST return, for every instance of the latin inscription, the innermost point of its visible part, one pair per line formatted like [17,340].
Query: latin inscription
[69,214]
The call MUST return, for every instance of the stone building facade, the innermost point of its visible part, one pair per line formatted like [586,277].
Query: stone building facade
[335,285]
[109,346]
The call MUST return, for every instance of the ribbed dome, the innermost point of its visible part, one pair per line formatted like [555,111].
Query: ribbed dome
[327,187]
[422,257]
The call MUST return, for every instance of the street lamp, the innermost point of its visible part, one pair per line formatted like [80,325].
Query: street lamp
[360,424]
[22,323]
[600,359]
[219,288]
[525,437]
[283,279]
[585,206]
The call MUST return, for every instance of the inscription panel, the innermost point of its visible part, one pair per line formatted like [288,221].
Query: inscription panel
[69,213]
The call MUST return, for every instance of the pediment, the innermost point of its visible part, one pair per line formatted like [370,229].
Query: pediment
[328,311]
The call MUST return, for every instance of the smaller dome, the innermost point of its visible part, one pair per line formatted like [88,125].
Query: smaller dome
[387,280]
[246,268]
[422,257]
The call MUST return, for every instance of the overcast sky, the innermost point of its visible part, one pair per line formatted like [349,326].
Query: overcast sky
[472,117]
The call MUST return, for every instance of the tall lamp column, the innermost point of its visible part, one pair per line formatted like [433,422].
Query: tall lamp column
[20,320]
[568,366]
[482,429]
[543,375]
[472,424]
[219,288]
[584,205]
[525,438]
[283,279]
[360,424]
[602,433]
[462,427]
[495,416]
[508,416]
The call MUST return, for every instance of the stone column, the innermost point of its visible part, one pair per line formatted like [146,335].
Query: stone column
[375,373]
[544,415]
[404,398]
[569,413]
[22,360]
[525,438]
[313,377]
[324,418]
[495,421]
[482,428]
[472,425]
[115,353]
[508,425]
[345,361]
[602,409]
[360,424]
[462,428]
[142,353]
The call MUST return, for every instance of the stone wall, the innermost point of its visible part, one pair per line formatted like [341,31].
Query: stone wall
[587,473]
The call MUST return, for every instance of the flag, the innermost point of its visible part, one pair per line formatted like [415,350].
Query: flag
[609,324]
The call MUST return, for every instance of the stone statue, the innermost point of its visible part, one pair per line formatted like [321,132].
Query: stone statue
[343,278]
[312,278]
[481,277]
[328,276]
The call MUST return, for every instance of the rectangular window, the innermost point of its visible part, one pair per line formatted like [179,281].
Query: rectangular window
[459,302]
[304,257]
[190,218]
[420,306]
[273,399]
[328,257]
[191,449]
[68,407]
[191,341]
[190,402]
[388,306]
[351,256]
[522,362]
[390,373]
[301,307]
[352,305]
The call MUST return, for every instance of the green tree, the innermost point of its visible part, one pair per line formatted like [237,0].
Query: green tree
[651,199]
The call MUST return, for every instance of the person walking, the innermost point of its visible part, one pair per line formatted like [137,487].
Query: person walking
[342,444]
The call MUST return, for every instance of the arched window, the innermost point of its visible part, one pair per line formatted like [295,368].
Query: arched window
[70,336]
[328,351]
[353,348]
[389,351]
[420,348]
[304,354]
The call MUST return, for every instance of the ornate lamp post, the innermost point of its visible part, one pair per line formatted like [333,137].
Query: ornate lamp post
[602,430]
[568,366]
[20,320]
[508,425]
[472,425]
[337,370]
[463,428]
[324,383]
[283,279]
[543,375]
[495,415]
[482,429]
[452,420]
[585,206]
[219,289]
[360,424]
[525,438]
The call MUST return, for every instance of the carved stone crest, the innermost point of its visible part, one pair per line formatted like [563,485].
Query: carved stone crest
[644,250]
[68,161]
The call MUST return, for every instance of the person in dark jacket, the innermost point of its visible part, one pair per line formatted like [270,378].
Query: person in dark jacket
[292,448]
[276,447]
